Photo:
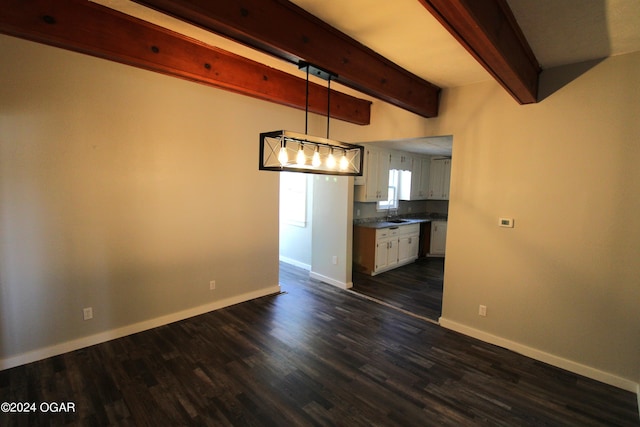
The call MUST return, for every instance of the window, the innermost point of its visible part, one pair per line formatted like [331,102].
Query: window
[293,198]
[394,185]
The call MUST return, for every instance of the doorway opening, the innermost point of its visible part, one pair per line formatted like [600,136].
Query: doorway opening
[296,219]
[316,225]
[418,171]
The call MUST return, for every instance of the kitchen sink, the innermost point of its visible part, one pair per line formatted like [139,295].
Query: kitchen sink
[398,221]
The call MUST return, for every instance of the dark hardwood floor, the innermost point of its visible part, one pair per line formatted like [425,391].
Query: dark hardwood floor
[314,355]
[416,287]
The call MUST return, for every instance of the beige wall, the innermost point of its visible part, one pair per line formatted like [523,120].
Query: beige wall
[126,191]
[564,284]
[116,192]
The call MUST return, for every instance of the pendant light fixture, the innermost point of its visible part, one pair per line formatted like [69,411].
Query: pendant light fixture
[283,150]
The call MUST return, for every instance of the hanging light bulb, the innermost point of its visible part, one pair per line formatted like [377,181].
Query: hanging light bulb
[270,142]
[315,160]
[331,161]
[283,158]
[300,159]
[344,163]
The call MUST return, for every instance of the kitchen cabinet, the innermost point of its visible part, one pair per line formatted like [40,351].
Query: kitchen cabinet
[376,250]
[408,247]
[439,179]
[425,240]
[400,160]
[386,248]
[375,185]
[438,238]
[420,178]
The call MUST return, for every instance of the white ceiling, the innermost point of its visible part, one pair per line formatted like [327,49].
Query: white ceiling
[559,32]
[431,145]
[404,32]
[564,32]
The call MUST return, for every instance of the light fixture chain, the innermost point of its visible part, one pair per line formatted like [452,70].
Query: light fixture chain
[328,103]
[306,107]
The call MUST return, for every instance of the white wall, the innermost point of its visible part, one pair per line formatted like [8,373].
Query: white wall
[564,284]
[295,240]
[332,230]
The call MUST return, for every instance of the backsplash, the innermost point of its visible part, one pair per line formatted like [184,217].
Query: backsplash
[434,209]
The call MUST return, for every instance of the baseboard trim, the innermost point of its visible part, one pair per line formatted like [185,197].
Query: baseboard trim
[57,349]
[330,281]
[638,396]
[295,263]
[545,357]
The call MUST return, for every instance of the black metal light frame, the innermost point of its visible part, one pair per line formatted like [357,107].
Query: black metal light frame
[315,150]
[272,142]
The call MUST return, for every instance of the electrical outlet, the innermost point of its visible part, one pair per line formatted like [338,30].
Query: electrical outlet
[212,285]
[334,260]
[87,313]
[482,310]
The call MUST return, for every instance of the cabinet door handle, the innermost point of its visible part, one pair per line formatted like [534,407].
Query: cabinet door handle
[409,240]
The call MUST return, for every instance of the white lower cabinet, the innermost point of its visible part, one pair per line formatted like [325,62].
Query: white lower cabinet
[438,237]
[408,248]
[396,246]
[386,248]
[380,249]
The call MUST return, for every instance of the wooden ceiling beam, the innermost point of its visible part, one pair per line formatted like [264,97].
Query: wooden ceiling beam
[285,30]
[89,28]
[489,31]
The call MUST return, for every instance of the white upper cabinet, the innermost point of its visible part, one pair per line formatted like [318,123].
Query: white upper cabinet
[439,179]
[420,178]
[400,160]
[375,185]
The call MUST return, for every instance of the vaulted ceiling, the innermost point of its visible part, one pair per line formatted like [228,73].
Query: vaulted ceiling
[560,32]
[487,30]
[401,52]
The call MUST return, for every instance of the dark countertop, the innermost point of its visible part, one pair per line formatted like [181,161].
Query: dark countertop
[386,224]
[382,223]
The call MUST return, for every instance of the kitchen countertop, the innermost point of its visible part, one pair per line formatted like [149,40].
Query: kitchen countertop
[405,221]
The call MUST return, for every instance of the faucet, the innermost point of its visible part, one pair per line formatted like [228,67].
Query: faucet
[391,213]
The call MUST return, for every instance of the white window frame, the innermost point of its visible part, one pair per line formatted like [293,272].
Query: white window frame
[392,201]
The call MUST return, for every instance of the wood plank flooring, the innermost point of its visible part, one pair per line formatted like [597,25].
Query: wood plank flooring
[416,287]
[311,356]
